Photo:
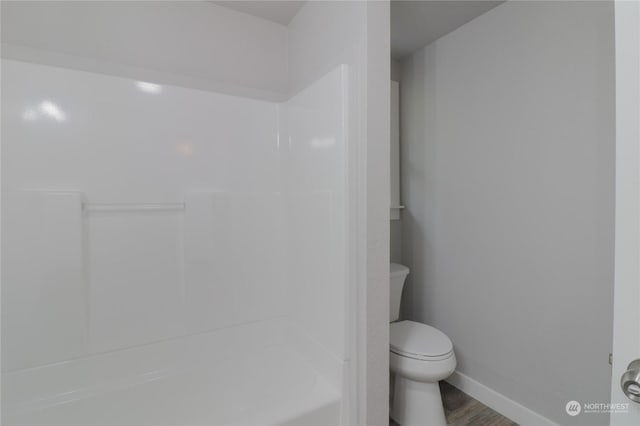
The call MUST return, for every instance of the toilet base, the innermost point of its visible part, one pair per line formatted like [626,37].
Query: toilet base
[417,403]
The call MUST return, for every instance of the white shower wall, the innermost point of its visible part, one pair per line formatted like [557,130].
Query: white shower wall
[315,168]
[135,213]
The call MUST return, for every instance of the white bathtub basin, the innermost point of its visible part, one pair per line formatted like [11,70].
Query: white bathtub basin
[250,375]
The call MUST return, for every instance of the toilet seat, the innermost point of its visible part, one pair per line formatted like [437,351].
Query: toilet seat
[419,341]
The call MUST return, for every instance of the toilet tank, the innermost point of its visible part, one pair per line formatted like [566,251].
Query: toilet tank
[398,273]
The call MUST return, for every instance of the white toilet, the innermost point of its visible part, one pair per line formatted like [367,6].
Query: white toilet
[420,356]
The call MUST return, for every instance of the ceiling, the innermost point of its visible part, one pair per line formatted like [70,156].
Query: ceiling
[279,11]
[414,24]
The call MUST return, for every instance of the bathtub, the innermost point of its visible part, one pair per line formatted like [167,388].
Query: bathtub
[265,373]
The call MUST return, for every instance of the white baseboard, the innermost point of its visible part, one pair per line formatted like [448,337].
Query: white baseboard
[498,402]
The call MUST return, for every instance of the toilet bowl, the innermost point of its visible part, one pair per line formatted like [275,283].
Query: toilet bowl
[420,356]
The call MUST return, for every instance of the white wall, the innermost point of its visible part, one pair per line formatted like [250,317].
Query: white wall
[396,70]
[79,282]
[508,178]
[195,44]
[313,50]
[376,163]
[395,240]
[395,226]
[626,329]
[358,37]
[314,147]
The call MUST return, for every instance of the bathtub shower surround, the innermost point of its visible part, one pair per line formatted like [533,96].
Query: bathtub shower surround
[171,252]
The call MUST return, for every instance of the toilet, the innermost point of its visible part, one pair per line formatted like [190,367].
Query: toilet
[420,356]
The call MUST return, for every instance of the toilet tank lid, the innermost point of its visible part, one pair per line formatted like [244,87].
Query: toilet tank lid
[396,269]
